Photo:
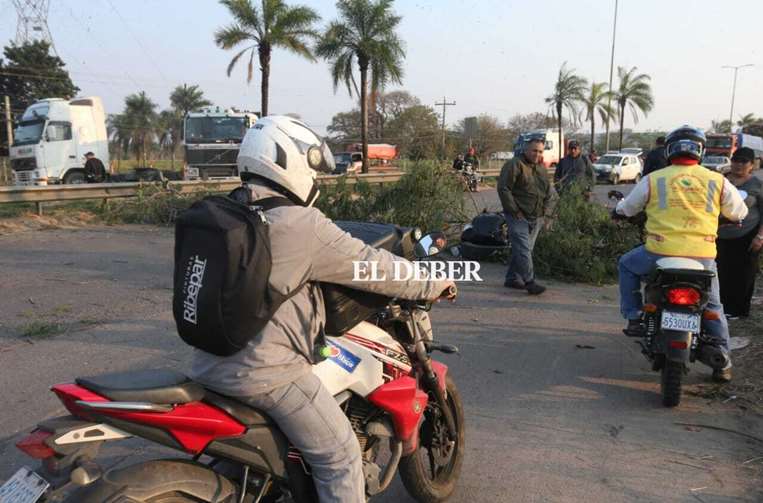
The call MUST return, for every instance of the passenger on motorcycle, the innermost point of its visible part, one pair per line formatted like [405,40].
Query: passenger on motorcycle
[682,202]
[280,157]
[458,163]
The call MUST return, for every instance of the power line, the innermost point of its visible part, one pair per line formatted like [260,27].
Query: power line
[137,40]
[33,22]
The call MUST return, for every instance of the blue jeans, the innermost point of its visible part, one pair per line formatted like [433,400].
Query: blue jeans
[522,235]
[313,422]
[639,263]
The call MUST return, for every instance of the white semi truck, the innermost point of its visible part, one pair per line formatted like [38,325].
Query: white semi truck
[53,136]
[212,140]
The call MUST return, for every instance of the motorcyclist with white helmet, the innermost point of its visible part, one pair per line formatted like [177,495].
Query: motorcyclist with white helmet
[280,157]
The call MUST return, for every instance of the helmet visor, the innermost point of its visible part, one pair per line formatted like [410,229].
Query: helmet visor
[328,165]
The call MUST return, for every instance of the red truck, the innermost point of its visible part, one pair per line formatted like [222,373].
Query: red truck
[726,144]
[351,161]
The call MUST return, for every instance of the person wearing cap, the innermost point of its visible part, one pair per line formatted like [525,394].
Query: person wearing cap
[655,159]
[94,170]
[739,245]
[574,168]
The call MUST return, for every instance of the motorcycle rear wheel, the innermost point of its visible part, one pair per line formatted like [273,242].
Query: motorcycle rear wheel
[670,383]
[424,479]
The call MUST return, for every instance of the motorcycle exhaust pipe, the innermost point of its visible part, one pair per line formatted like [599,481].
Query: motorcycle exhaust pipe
[714,357]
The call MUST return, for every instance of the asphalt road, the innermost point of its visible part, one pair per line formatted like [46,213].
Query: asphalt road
[560,407]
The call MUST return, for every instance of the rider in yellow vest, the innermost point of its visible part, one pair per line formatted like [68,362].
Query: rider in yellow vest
[683,203]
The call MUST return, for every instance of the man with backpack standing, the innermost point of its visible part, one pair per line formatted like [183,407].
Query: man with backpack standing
[279,158]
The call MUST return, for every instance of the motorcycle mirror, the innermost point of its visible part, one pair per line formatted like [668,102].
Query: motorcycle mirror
[430,244]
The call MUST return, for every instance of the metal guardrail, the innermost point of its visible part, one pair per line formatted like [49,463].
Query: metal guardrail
[106,191]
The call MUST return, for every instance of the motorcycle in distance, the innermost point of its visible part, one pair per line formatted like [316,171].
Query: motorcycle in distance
[472,177]
[674,332]
[403,406]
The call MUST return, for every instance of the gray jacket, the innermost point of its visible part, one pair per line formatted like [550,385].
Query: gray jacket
[306,247]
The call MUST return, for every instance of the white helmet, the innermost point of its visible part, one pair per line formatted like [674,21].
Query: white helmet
[287,153]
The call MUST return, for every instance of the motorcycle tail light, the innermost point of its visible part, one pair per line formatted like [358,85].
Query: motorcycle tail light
[34,446]
[683,296]
[679,345]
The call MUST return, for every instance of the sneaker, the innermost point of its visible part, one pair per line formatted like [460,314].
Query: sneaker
[517,284]
[722,375]
[730,317]
[534,288]
[635,328]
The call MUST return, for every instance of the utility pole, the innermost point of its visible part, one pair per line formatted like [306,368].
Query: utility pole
[9,129]
[611,68]
[444,104]
[734,90]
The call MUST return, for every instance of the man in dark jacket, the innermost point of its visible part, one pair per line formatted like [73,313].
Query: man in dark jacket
[525,192]
[574,169]
[656,158]
[94,170]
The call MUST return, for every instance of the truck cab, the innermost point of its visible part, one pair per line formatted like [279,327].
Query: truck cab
[52,137]
[212,138]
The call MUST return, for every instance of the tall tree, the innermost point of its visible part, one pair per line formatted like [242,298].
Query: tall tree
[747,120]
[722,126]
[595,103]
[364,35]
[29,72]
[633,92]
[183,99]
[416,132]
[273,24]
[137,125]
[569,90]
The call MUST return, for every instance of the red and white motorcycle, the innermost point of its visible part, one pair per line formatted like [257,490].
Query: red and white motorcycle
[403,406]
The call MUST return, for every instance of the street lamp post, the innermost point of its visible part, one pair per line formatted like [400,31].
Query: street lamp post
[734,89]
[611,67]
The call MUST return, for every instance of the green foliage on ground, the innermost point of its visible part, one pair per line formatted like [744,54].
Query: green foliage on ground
[155,203]
[427,196]
[583,243]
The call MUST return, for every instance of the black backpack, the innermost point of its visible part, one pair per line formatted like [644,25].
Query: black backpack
[222,298]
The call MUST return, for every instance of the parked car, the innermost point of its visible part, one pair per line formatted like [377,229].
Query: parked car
[616,168]
[719,163]
[632,151]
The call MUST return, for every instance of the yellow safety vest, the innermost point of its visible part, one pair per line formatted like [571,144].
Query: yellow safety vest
[682,211]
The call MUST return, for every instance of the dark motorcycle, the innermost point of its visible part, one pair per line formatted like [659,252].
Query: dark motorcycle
[472,176]
[485,237]
[674,332]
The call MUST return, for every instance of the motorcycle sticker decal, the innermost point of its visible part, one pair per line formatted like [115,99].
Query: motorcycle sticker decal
[342,357]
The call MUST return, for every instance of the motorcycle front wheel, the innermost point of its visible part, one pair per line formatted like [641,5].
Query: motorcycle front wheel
[430,474]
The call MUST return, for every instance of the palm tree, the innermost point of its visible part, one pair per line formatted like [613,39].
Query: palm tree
[747,120]
[274,24]
[723,126]
[568,91]
[136,125]
[184,99]
[633,92]
[364,35]
[595,102]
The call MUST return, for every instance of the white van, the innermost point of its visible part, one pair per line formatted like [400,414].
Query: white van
[53,136]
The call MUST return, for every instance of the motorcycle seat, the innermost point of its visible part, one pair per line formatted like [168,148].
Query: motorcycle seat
[159,386]
[243,413]
[680,263]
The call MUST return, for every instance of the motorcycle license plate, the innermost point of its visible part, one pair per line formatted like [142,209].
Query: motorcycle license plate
[24,487]
[683,322]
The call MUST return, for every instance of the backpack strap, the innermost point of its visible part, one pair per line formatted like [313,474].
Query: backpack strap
[269,203]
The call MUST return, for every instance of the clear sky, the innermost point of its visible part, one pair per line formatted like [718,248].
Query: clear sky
[491,56]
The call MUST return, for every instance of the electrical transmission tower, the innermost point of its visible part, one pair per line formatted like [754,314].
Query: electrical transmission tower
[33,21]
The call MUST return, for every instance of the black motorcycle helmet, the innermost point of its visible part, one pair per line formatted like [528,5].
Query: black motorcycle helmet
[686,141]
